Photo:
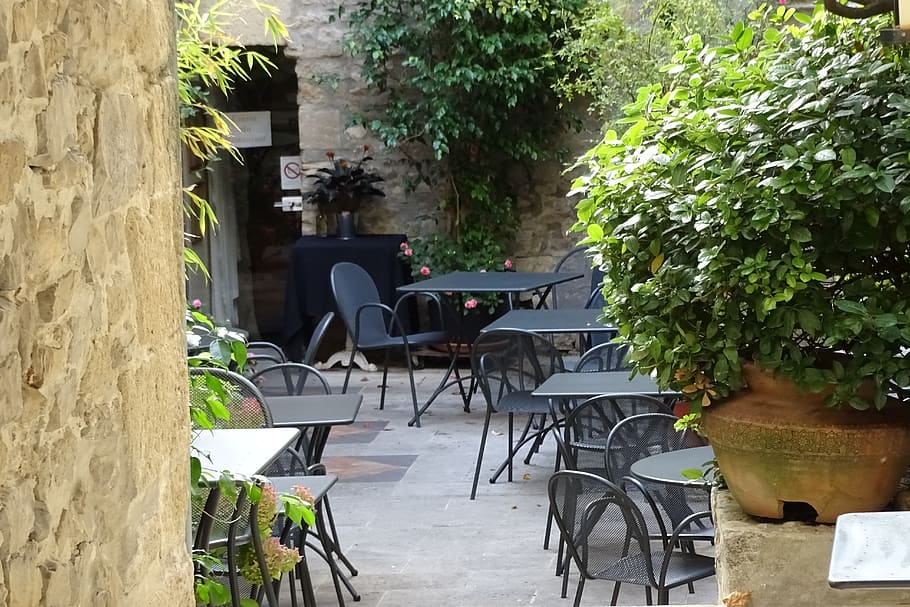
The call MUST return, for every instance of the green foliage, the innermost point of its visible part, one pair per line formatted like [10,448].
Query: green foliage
[759,209]
[345,184]
[615,48]
[475,252]
[471,84]
[209,60]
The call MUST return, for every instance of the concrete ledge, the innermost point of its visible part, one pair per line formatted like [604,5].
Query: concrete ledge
[782,564]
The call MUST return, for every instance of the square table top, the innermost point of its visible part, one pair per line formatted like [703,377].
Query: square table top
[314,409]
[871,551]
[582,385]
[245,451]
[490,282]
[559,320]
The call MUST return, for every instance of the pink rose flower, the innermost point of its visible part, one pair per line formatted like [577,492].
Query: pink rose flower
[408,252]
[470,304]
[425,271]
[508,264]
[403,246]
[197,304]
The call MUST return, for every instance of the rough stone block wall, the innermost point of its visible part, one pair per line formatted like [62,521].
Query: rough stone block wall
[93,418]
[782,564]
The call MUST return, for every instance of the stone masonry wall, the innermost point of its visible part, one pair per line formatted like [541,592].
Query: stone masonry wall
[93,414]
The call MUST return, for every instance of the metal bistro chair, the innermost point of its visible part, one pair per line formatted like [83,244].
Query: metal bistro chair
[610,356]
[639,436]
[509,365]
[608,539]
[373,325]
[575,293]
[222,526]
[248,409]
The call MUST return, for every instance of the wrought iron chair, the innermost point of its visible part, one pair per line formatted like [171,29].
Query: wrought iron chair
[373,325]
[575,293]
[608,356]
[608,539]
[249,409]
[312,348]
[509,365]
[290,379]
[639,436]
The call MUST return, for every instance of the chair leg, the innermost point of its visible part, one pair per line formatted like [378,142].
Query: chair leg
[407,358]
[580,589]
[615,596]
[546,537]
[327,508]
[566,563]
[483,442]
[385,376]
[648,599]
[347,375]
[511,438]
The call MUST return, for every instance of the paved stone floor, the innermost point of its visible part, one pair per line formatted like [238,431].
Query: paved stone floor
[405,520]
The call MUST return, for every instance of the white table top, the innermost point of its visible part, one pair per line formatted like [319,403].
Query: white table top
[871,550]
[242,451]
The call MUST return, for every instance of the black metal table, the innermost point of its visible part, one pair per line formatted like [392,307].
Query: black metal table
[308,290]
[508,283]
[582,385]
[246,451]
[667,468]
[558,320]
[314,415]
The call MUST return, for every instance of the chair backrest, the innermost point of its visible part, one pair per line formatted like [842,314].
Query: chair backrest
[608,356]
[244,402]
[575,293]
[312,349]
[601,526]
[511,360]
[352,287]
[290,379]
[640,436]
[265,348]
[588,425]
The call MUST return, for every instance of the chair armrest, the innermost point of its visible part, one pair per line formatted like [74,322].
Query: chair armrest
[680,528]
[629,480]
[393,320]
[427,295]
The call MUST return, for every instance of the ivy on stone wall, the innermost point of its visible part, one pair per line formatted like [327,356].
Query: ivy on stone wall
[471,83]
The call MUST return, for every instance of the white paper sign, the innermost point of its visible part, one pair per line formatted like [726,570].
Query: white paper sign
[291,173]
[251,129]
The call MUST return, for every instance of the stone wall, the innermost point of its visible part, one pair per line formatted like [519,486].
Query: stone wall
[93,419]
[782,564]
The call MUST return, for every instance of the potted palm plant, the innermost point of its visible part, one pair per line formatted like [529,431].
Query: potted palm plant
[753,222]
[340,189]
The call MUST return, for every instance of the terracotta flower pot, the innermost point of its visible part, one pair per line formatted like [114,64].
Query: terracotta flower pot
[776,443]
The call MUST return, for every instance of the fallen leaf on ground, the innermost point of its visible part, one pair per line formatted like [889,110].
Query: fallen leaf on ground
[495,433]
[738,599]
[526,477]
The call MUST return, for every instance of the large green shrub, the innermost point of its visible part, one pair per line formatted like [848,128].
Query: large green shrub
[759,209]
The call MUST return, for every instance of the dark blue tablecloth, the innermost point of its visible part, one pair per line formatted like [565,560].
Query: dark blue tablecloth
[309,292]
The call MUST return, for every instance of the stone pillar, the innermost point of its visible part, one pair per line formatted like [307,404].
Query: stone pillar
[93,414]
[782,564]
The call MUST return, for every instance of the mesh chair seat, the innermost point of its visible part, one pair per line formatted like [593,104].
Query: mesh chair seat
[522,402]
[682,569]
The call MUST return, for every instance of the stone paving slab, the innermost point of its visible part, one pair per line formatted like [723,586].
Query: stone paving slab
[418,540]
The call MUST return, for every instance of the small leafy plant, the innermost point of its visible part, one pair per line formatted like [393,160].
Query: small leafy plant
[345,185]
[758,209]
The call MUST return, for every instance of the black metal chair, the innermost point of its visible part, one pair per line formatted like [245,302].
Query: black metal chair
[575,293]
[290,379]
[639,436]
[509,365]
[373,325]
[312,348]
[610,356]
[249,409]
[608,539]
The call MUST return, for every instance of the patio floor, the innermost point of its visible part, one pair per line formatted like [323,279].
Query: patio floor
[405,520]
